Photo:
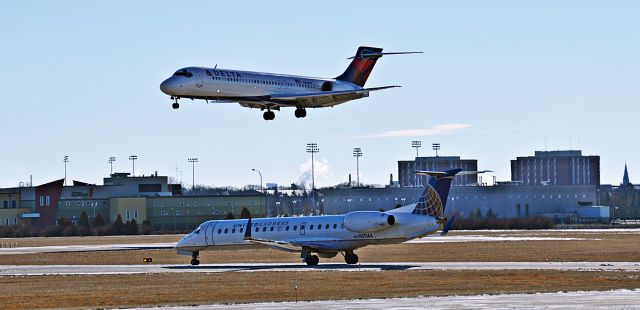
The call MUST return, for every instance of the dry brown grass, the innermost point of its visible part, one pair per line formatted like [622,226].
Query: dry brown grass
[237,287]
[598,247]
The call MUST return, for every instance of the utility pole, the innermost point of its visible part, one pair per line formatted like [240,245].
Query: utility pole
[133,161]
[193,162]
[66,160]
[357,153]
[111,160]
[417,145]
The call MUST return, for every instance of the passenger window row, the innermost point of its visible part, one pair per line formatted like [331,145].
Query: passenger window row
[264,82]
[286,228]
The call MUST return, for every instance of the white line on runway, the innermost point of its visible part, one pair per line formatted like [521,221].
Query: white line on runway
[85,248]
[37,270]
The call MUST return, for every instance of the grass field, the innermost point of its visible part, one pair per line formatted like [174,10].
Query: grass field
[81,291]
[236,287]
[592,246]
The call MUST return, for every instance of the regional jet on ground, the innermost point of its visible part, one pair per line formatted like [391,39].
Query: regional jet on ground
[268,91]
[329,235]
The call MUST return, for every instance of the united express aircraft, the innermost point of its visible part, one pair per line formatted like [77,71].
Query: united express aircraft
[326,236]
[269,92]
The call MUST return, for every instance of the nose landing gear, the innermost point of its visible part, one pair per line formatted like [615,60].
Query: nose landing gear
[175,104]
[194,258]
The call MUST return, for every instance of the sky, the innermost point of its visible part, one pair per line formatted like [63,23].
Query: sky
[497,80]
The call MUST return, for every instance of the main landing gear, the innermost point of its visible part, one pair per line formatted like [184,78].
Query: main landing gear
[350,258]
[308,258]
[300,112]
[175,104]
[269,115]
[312,260]
[194,258]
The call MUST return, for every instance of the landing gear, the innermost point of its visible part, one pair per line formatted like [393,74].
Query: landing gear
[308,258]
[194,258]
[269,115]
[175,104]
[300,112]
[350,258]
[312,260]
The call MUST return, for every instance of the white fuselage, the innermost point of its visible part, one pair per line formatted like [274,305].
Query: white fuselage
[216,83]
[319,233]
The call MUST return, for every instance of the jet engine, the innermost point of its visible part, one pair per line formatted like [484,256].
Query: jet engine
[368,221]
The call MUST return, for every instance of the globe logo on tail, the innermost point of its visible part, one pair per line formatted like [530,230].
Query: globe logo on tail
[429,204]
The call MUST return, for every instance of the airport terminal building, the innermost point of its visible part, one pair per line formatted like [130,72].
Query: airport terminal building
[136,198]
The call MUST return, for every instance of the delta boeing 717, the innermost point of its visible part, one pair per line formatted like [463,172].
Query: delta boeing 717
[269,92]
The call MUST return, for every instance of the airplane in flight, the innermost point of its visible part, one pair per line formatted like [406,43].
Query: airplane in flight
[270,92]
[328,235]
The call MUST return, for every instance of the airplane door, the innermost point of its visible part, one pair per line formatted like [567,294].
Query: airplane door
[198,78]
[209,234]
[303,227]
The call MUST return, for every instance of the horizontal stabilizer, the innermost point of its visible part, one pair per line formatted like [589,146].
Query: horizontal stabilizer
[366,54]
[448,173]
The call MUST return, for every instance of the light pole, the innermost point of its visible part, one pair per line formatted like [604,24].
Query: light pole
[258,171]
[357,153]
[312,148]
[417,145]
[133,158]
[193,161]
[436,147]
[111,160]
[66,160]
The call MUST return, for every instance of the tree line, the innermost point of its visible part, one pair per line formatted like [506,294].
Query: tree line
[64,228]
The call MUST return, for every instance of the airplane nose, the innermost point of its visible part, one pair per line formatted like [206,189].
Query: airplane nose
[167,87]
[180,243]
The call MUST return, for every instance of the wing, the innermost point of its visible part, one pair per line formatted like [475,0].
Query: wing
[283,245]
[309,100]
[325,98]
[294,246]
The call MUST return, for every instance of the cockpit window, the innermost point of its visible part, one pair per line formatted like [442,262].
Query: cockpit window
[197,231]
[184,73]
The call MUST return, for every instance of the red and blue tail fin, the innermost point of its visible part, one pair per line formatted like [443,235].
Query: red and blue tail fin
[362,64]
[434,198]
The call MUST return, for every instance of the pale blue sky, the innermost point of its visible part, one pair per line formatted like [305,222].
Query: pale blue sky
[81,79]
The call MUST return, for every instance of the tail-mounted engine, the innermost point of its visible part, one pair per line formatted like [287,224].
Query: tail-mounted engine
[368,221]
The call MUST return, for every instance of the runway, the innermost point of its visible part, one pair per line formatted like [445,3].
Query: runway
[38,270]
[616,299]
[85,248]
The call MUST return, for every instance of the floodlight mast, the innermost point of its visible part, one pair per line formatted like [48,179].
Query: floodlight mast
[133,158]
[416,144]
[111,160]
[193,161]
[357,153]
[313,148]
[436,147]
